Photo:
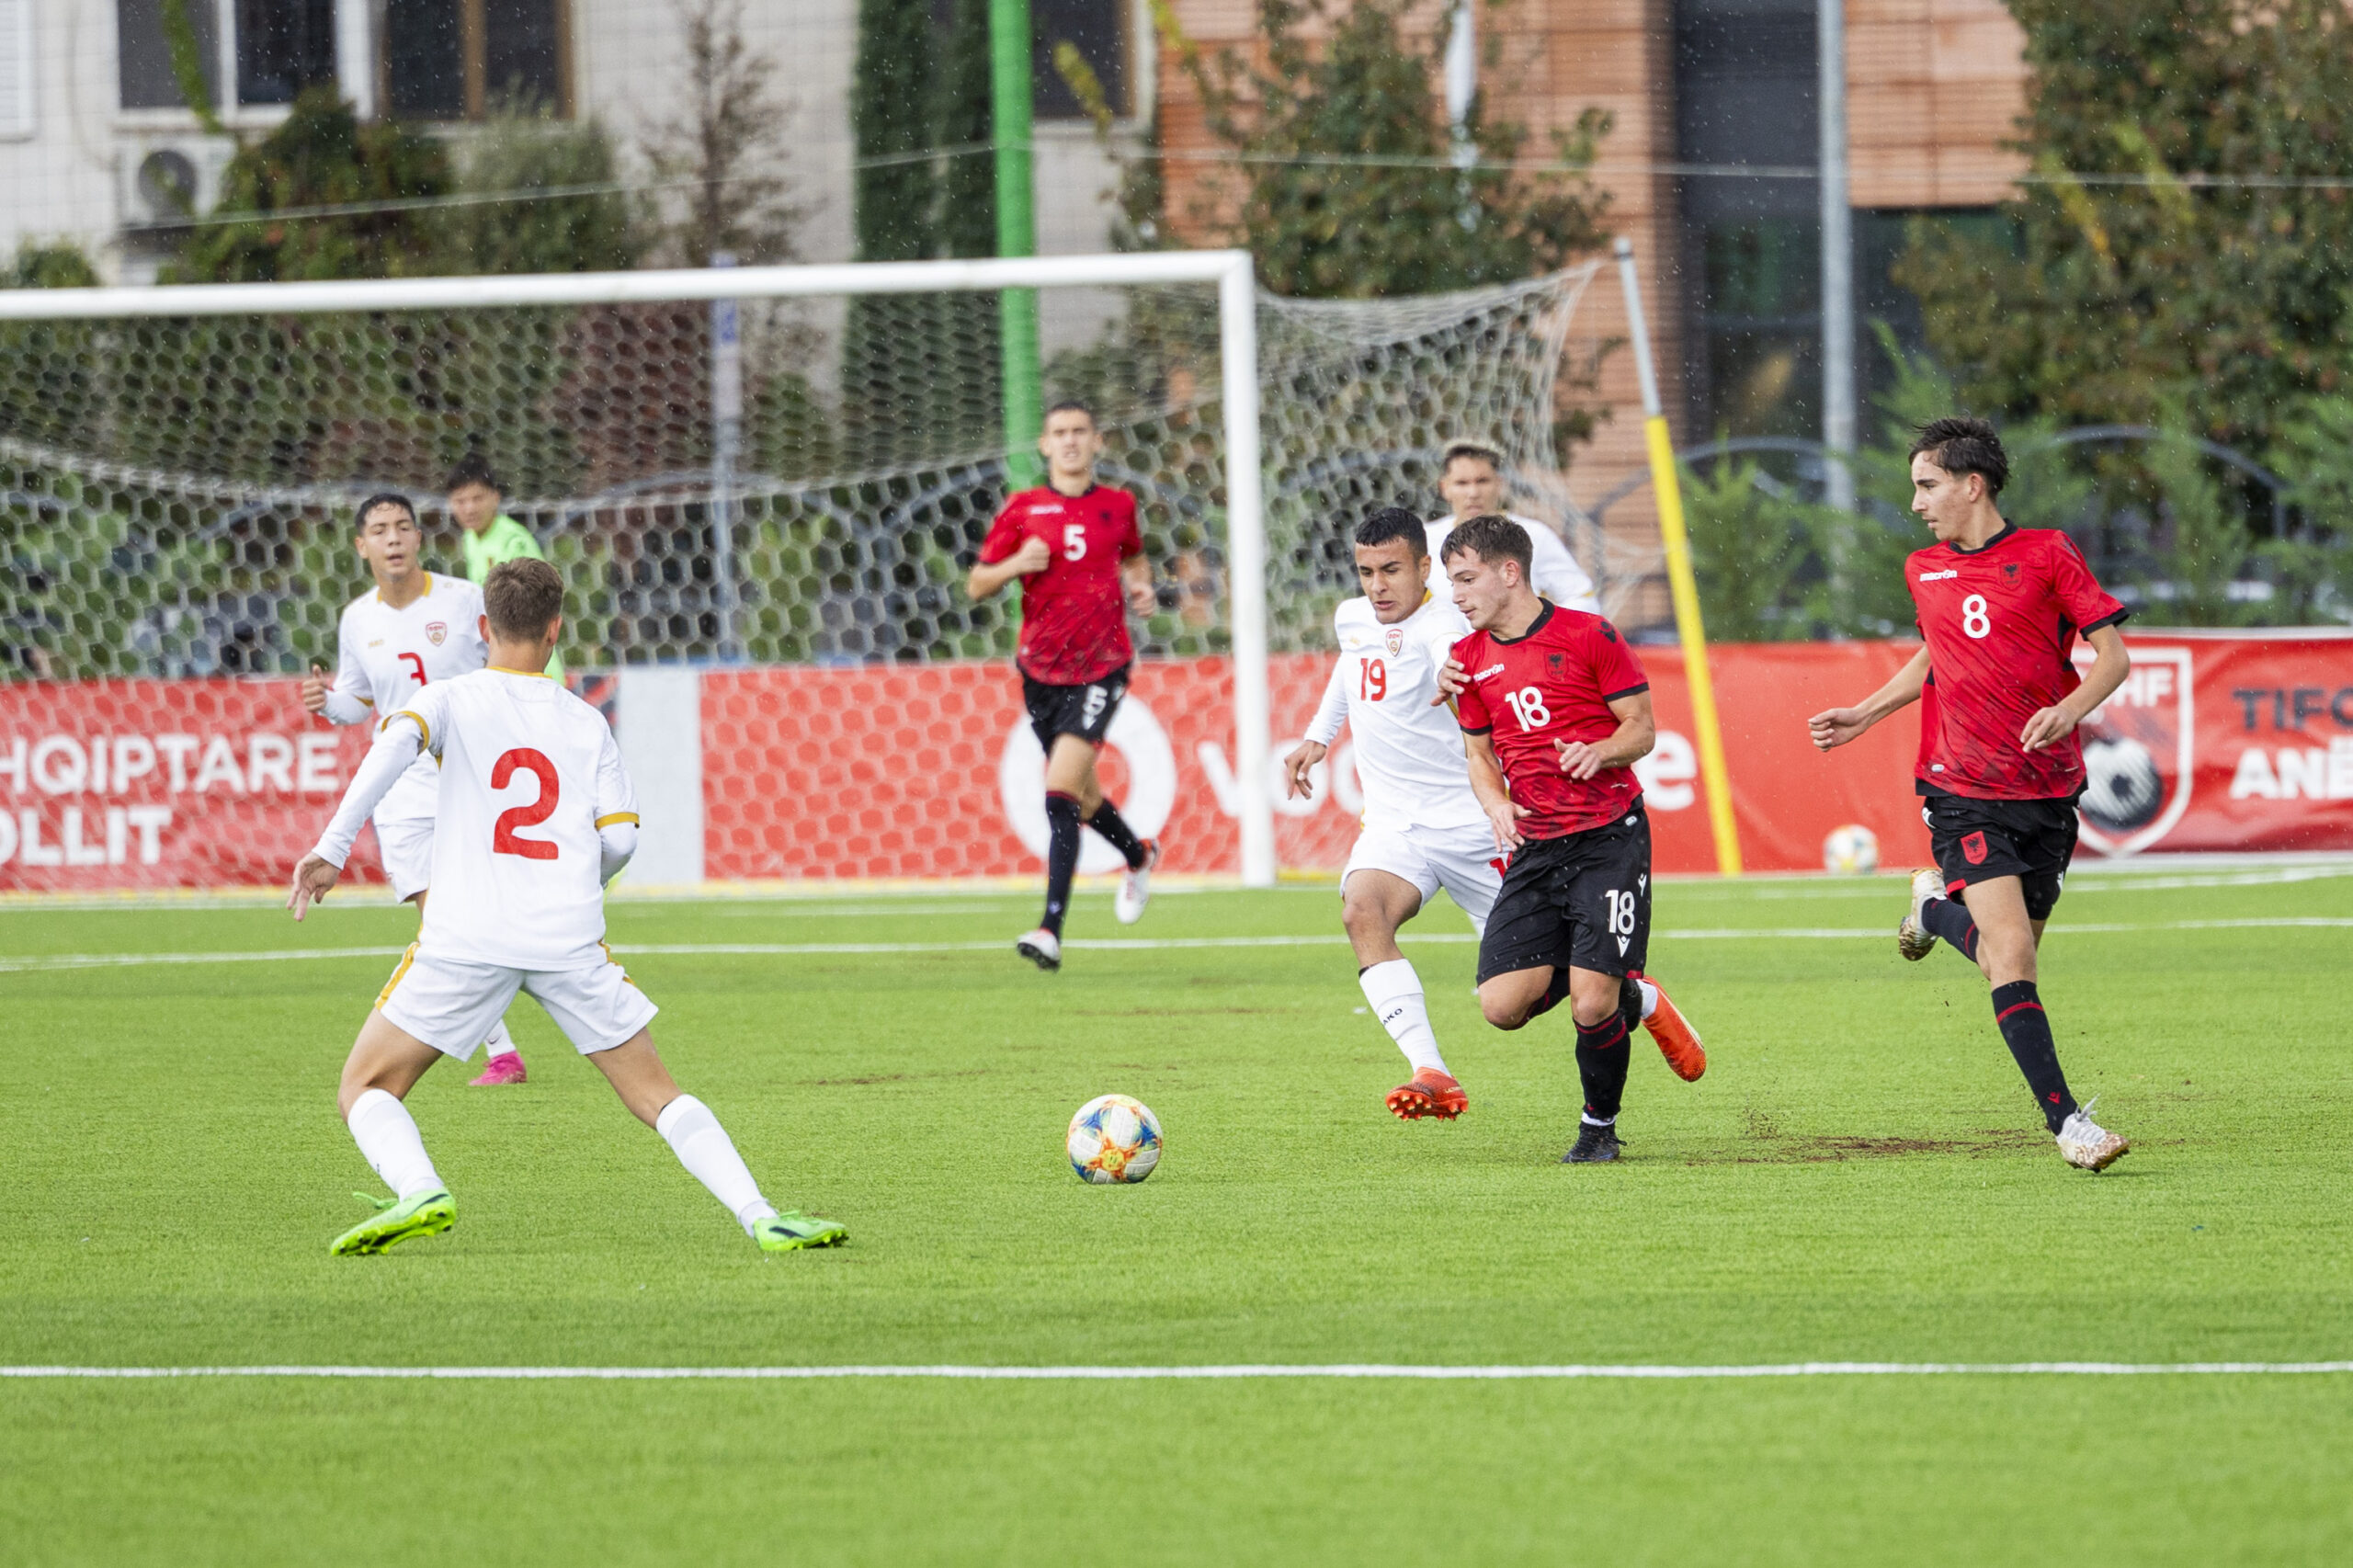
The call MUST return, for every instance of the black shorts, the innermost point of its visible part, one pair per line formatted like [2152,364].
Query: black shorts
[1976,841]
[1082,711]
[1583,900]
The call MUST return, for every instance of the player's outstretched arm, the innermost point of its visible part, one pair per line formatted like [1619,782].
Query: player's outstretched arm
[2058,721]
[1494,795]
[397,747]
[1835,726]
[1631,742]
[987,577]
[1135,571]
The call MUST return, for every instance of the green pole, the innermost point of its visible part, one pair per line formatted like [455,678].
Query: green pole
[1017,231]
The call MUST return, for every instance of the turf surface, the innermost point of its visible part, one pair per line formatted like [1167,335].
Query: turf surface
[1860,1177]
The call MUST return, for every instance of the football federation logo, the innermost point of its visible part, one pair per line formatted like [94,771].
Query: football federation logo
[435,630]
[1553,661]
[2138,754]
[1973,848]
[2009,570]
[1396,640]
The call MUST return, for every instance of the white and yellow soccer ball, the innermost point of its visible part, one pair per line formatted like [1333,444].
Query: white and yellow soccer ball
[1114,1140]
[1850,851]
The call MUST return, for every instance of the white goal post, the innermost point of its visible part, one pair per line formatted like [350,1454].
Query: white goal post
[1230,270]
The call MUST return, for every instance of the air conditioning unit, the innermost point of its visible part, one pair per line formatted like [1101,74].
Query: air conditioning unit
[164,181]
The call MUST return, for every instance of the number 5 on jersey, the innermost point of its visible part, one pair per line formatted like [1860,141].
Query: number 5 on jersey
[503,839]
[1073,541]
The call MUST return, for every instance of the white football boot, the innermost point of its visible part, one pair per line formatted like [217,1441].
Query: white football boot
[1041,947]
[2086,1144]
[1135,888]
[1912,938]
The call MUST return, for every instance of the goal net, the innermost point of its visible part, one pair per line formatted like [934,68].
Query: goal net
[763,488]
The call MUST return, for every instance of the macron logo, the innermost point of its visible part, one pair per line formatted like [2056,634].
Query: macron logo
[1940,576]
[1490,671]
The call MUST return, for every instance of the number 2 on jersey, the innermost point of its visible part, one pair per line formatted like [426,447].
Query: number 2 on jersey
[1372,679]
[415,663]
[1528,707]
[503,839]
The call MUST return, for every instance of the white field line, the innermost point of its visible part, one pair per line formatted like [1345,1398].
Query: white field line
[48,962]
[1367,1370]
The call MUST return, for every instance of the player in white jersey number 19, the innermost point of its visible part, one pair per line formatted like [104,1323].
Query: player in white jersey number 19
[535,814]
[413,628]
[1423,827]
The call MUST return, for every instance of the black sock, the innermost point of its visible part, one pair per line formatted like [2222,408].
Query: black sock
[1602,1057]
[1948,918]
[2025,1029]
[1061,856]
[1554,994]
[1116,833]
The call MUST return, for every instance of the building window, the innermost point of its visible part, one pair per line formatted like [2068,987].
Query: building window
[1099,30]
[464,59]
[283,46]
[144,54]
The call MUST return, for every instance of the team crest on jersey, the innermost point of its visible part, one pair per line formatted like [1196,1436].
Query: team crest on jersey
[435,630]
[2138,754]
[1553,663]
[1394,641]
[2009,570]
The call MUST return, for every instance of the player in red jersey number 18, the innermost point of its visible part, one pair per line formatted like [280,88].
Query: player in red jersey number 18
[2000,767]
[1075,548]
[1555,711]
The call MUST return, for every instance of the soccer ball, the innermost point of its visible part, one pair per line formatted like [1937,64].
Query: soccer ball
[1850,851]
[1114,1138]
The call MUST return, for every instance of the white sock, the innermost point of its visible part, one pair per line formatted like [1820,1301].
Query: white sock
[1592,1121]
[1650,998]
[710,1156]
[500,1043]
[387,1135]
[1396,992]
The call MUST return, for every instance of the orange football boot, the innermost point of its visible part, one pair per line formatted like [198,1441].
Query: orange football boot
[1432,1092]
[1677,1041]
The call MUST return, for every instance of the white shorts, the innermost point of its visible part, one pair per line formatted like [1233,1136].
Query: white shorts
[451,1006]
[407,849]
[1460,860]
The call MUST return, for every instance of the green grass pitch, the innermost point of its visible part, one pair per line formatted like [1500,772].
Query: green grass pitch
[1860,1177]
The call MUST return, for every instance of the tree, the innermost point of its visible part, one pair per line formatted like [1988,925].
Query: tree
[726,146]
[2137,273]
[524,153]
[321,155]
[893,191]
[1352,187]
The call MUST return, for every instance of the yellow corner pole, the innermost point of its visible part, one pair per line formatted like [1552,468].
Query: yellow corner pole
[1681,584]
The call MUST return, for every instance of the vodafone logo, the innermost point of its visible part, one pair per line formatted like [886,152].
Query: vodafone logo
[1137,736]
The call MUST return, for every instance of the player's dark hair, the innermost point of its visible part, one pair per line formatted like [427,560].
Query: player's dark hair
[385,498]
[1072,405]
[1492,539]
[1462,449]
[1393,525]
[1961,445]
[473,468]
[521,598]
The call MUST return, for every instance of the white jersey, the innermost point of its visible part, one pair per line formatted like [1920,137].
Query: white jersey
[1554,573]
[1408,747]
[529,773]
[384,656]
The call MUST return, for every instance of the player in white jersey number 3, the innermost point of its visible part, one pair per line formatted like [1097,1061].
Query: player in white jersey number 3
[413,628]
[1423,827]
[534,815]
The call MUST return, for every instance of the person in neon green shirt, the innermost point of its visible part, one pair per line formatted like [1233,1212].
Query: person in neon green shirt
[491,537]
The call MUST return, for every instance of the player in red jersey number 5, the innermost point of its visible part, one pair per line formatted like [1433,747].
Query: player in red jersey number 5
[2000,766]
[1079,555]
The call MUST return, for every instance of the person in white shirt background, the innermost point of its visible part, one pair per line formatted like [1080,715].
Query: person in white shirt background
[412,628]
[1470,481]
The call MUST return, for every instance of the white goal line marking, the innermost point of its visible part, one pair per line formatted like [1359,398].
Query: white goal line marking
[1122,944]
[1369,1370]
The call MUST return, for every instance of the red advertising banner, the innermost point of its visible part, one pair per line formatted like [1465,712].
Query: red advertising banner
[2215,743]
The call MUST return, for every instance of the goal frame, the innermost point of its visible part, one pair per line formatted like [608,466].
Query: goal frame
[1231,270]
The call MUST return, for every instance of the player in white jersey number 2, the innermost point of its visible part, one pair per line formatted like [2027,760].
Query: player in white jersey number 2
[413,628]
[535,814]
[1423,827]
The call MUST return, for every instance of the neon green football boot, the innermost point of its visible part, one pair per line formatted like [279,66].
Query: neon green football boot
[395,1221]
[791,1232]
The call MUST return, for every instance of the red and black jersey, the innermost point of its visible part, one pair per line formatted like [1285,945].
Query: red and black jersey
[1073,614]
[2000,621]
[1552,683]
